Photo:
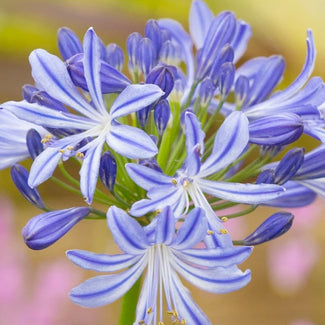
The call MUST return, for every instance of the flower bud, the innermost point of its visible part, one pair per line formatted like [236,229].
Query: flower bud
[114,56]
[289,165]
[170,53]
[153,32]
[162,76]
[266,177]
[273,227]
[206,91]
[132,45]
[68,43]
[162,115]
[45,229]
[226,76]
[241,90]
[19,176]
[34,143]
[143,115]
[107,170]
[147,55]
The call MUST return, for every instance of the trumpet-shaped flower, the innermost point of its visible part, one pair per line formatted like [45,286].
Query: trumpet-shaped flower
[192,180]
[164,254]
[93,121]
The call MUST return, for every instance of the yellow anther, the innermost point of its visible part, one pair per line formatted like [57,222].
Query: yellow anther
[141,322]
[224,231]
[69,148]
[79,155]
[158,211]
[224,219]
[174,181]
[183,322]
[175,313]
[45,140]
[61,150]
[170,312]
[149,310]
[186,182]
[160,323]
[48,136]
[210,232]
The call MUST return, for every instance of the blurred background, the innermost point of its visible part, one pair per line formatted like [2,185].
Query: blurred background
[288,282]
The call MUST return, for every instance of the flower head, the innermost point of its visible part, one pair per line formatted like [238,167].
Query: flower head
[164,254]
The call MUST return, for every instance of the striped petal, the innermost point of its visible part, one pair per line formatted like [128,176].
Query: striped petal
[104,289]
[131,142]
[317,185]
[92,65]
[192,231]
[194,134]
[51,74]
[199,22]
[165,226]
[101,262]
[47,117]
[160,197]
[126,231]
[242,193]
[215,257]
[90,169]
[230,141]
[133,98]
[217,280]
[147,177]
[186,307]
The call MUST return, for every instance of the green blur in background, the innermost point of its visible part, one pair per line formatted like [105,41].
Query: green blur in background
[279,27]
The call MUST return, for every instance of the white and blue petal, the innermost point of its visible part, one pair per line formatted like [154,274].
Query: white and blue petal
[230,142]
[165,226]
[126,231]
[241,193]
[130,142]
[133,98]
[147,177]
[102,262]
[104,289]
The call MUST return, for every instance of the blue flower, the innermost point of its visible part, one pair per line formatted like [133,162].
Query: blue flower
[94,120]
[164,254]
[192,180]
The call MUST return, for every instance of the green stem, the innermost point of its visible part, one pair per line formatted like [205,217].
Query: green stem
[129,304]
[240,213]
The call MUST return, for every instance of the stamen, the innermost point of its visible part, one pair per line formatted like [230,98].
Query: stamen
[141,322]
[186,182]
[210,232]
[223,231]
[160,323]
[69,148]
[170,312]
[61,151]
[175,313]
[47,138]
[174,181]
[79,155]
[183,322]
[158,211]
[224,219]
[149,310]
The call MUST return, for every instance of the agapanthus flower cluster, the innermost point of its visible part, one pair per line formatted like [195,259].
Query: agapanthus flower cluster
[166,143]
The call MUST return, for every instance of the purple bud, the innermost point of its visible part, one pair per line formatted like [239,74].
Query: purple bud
[34,143]
[276,129]
[28,91]
[143,115]
[266,177]
[162,76]
[273,227]
[289,165]
[170,53]
[45,229]
[241,90]
[112,80]
[206,91]
[132,45]
[226,55]
[19,176]
[226,78]
[114,56]
[182,118]
[107,170]
[153,31]
[161,115]
[68,43]
[147,55]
